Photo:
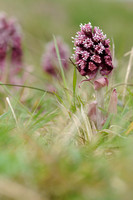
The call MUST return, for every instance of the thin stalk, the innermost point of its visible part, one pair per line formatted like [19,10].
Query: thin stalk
[111,76]
[61,69]
[25,86]
[12,110]
[127,74]
[74,86]
[100,104]
[119,84]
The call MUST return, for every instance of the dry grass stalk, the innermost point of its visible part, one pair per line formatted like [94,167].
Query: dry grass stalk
[127,74]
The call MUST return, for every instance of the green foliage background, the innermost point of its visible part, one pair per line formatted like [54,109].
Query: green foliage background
[42,18]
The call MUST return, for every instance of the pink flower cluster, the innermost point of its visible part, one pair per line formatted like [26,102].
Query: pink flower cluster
[92,53]
[10,41]
[50,61]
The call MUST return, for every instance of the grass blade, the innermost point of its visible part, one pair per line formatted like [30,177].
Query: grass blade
[61,69]
[74,86]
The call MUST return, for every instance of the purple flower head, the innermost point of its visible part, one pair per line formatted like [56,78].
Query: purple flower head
[50,60]
[15,43]
[3,40]
[10,38]
[10,41]
[92,53]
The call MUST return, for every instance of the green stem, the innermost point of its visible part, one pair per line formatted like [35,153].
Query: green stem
[61,69]
[118,85]
[25,86]
[100,104]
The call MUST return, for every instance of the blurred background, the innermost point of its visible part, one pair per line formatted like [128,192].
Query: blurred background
[40,19]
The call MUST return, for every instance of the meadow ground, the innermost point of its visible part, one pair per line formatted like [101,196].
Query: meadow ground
[49,149]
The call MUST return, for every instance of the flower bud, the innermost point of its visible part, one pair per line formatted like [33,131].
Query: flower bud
[101,82]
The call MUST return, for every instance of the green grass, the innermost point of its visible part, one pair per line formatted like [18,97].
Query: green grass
[52,153]
[50,149]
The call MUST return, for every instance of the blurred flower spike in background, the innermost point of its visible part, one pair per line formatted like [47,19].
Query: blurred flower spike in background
[10,43]
[92,53]
[50,61]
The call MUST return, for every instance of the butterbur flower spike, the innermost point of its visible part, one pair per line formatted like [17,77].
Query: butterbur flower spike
[50,60]
[3,40]
[10,41]
[92,53]
[15,42]
[93,60]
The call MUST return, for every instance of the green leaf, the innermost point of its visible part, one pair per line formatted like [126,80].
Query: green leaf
[106,125]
